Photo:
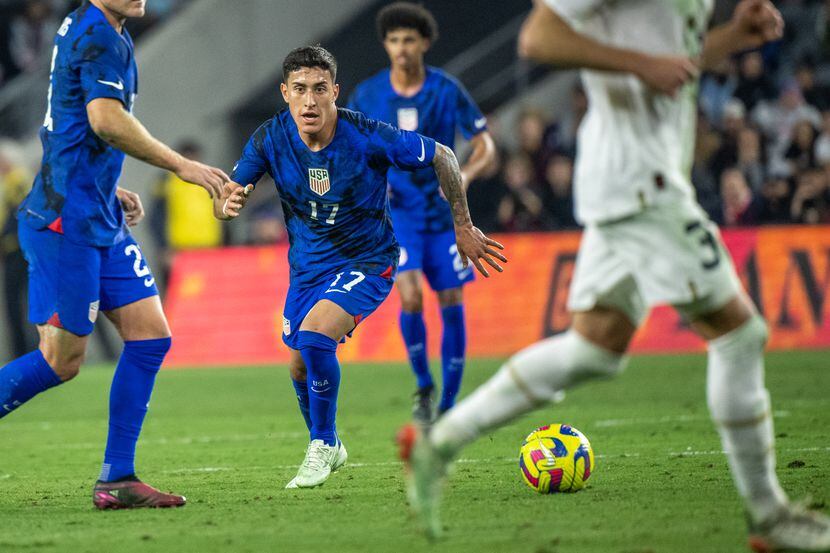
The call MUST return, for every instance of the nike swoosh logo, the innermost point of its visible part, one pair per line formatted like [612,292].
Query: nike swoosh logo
[117,86]
[423,151]
[480,122]
[313,389]
[334,290]
[149,281]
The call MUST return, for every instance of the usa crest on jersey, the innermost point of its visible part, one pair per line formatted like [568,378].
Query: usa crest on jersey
[408,119]
[318,181]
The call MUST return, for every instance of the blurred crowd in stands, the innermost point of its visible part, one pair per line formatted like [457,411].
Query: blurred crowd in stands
[27,28]
[763,144]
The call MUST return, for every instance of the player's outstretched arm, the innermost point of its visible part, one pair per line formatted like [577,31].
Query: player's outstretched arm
[547,38]
[753,23]
[117,127]
[472,244]
[233,199]
[482,156]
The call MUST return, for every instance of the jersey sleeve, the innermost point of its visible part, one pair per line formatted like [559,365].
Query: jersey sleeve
[104,66]
[405,150]
[254,161]
[574,10]
[469,118]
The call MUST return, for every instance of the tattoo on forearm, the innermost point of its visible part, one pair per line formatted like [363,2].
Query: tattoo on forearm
[449,177]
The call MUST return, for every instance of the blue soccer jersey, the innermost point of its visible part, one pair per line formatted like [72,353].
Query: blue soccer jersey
[438,110]
[334,200]
[75,188]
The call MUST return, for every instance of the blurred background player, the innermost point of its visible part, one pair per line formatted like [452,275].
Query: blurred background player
[73,232]
[646,242]
[415,97]
[330,169]
[181,216]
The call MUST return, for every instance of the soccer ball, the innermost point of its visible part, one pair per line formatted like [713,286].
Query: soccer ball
[556,458]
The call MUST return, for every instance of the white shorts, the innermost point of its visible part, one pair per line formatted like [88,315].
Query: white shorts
[666,255]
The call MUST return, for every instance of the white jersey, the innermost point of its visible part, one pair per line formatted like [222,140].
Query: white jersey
[635,145]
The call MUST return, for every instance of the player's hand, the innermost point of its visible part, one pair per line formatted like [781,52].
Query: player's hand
[474,246]
[666,74]
[209,178]
[236,196]
[756,22]
[131,204]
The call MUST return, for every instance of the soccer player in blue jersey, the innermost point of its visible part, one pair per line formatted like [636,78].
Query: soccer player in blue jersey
[74,234]
[416,97]
[330,166]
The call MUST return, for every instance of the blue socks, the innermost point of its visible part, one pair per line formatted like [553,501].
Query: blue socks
[302,399]
[414,333]
[323,374]
[453,346]
[132,385]
[24,378]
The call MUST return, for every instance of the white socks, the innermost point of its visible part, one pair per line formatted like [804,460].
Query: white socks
[527,380]
[740,407]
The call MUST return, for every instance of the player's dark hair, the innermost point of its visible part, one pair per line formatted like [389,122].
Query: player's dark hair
[406,15]
[309,56]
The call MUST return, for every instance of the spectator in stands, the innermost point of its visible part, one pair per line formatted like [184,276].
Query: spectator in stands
[801,153]
[532,125]
[557,196]
[181,217]
[750,158]
[716,90]
[707,142]
[732,123]
[31,36]
[777,119]
[520,209]
[754,84]
[810,201]
[15,181]
[738,206]
[817,95]
[776,197]
[822,147]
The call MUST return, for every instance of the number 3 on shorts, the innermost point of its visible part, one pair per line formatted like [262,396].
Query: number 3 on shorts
[708,241]
[346,285]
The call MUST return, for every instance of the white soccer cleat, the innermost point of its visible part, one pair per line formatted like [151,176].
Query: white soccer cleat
[793,528]
[320,461]
[426,470]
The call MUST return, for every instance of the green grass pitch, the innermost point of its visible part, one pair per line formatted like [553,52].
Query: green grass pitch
[231,438]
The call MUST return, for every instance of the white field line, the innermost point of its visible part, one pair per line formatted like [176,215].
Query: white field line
[189,440]
[608,423]
[687,453]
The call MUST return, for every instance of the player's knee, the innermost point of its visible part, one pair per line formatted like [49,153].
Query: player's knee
[412,302]
[66,364]
[453,296]
[297,372]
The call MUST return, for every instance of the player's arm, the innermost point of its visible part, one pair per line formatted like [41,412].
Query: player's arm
[119,128]
[483,155]
[131,205]
[547,37]
[472,244]
[753,23]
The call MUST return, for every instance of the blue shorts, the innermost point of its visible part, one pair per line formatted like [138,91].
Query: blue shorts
[69,282]
[436,255]
[358,294]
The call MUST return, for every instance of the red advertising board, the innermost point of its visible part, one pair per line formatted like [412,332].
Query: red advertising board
[225,306]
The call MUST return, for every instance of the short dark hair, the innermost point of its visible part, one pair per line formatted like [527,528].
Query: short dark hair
[309,56]
[406,15]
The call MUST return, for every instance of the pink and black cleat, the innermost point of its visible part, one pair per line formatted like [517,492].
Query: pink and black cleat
[132,494]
